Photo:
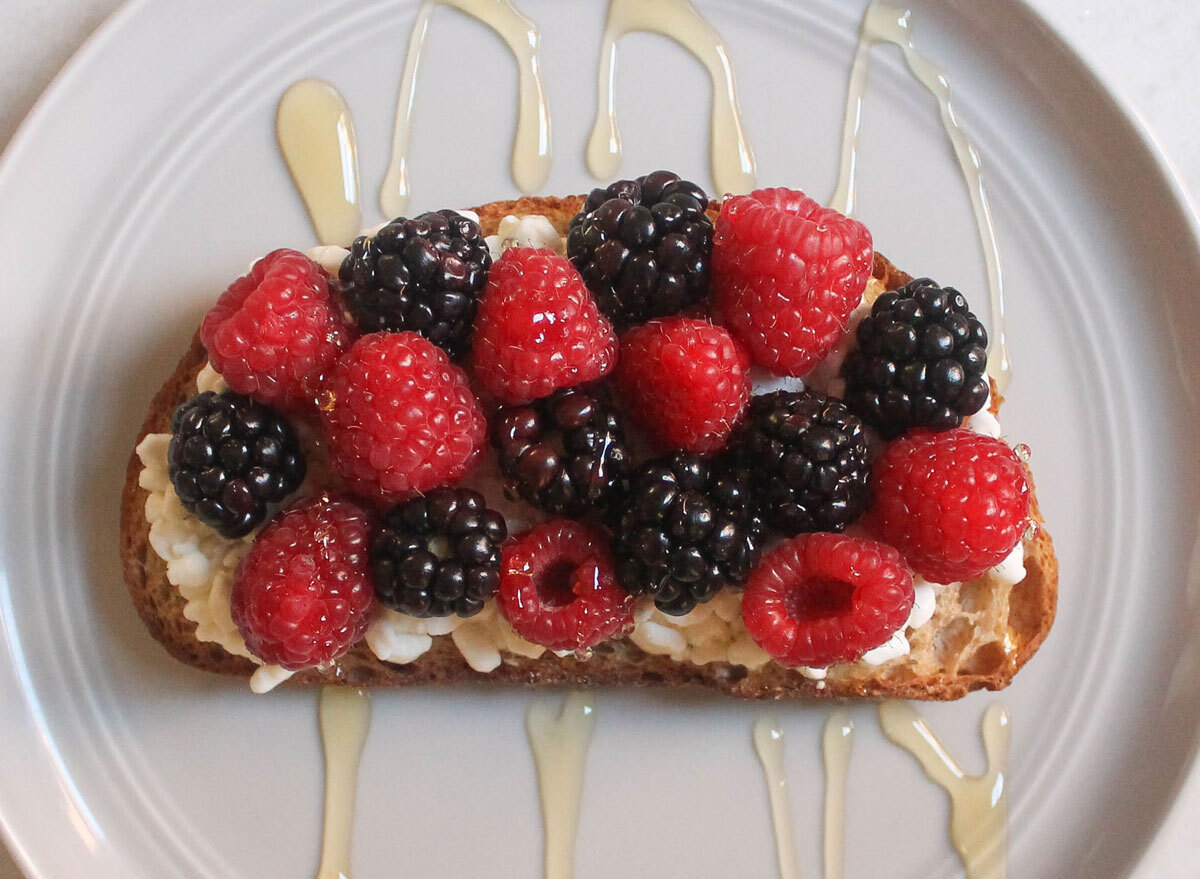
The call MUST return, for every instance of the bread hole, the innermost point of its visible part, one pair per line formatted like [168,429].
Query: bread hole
[975,595]
[988,659]
[952,640]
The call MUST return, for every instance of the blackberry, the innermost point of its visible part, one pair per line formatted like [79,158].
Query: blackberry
[438,555]
[423,274]
[919,361]
[229,458]
[807,454]
[643,246]
[685,529]
[565,453]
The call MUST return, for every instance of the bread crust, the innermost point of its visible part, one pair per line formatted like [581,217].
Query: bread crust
[1031,604]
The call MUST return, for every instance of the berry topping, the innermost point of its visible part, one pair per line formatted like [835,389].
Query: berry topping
[400,417]
[684,530]
[919,361]
[685,381]
[643,246]
[423,274]
[807,454]
[274,332]
[558,587]
[818,599]
[953,503]
[229,458]
[302,596]
[438,555]
[538,329]
[786,275]
[565,454]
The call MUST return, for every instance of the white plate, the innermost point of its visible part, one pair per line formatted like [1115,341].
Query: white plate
[148,177]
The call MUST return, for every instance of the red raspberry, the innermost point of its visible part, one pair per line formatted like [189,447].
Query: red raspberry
[954,503]
[302,595]
[538,328]
[786,275]
[818,599]
[558,587]
[685,381]
[275,331]
[400,417]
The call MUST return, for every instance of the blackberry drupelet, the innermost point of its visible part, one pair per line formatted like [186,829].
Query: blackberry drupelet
[423,274]
[684,530]
[565,453]
[229,458]
[643,246]
[438,555]
[807,454]
[919,361]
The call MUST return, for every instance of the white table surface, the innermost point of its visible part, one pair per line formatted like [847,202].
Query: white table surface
[1146,51]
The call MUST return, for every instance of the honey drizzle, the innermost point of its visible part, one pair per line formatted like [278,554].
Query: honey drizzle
[731,158]
[315,131]
[559,741]
[891,24]
[768,744]
[531,143]
[978,803]
[837,743]
[345,716]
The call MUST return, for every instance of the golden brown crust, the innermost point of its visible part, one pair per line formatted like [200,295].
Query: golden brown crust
[1031,603]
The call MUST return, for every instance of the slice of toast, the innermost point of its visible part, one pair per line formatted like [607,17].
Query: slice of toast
[981,634]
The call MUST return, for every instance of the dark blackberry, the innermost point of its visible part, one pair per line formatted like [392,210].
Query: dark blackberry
[919,361]
[807,454]
[565,453]
[229,458]
[685,529]
[423,274]
[643,246]
[438,555]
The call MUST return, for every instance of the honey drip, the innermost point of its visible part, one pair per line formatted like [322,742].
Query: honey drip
[892,24]
[559,741]
[731,157]
[531,144]
[316,136]
[768,744]
[978,803]
[837,742]
[345,716]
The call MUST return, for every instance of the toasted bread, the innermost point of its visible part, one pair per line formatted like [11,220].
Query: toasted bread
[981,634]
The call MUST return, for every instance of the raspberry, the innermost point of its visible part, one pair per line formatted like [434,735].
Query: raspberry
[400,417]
[302,596]
[953,503]
[685,381]
[274,332]
[818,599]
[558,587]
[538,329]
[786,275]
